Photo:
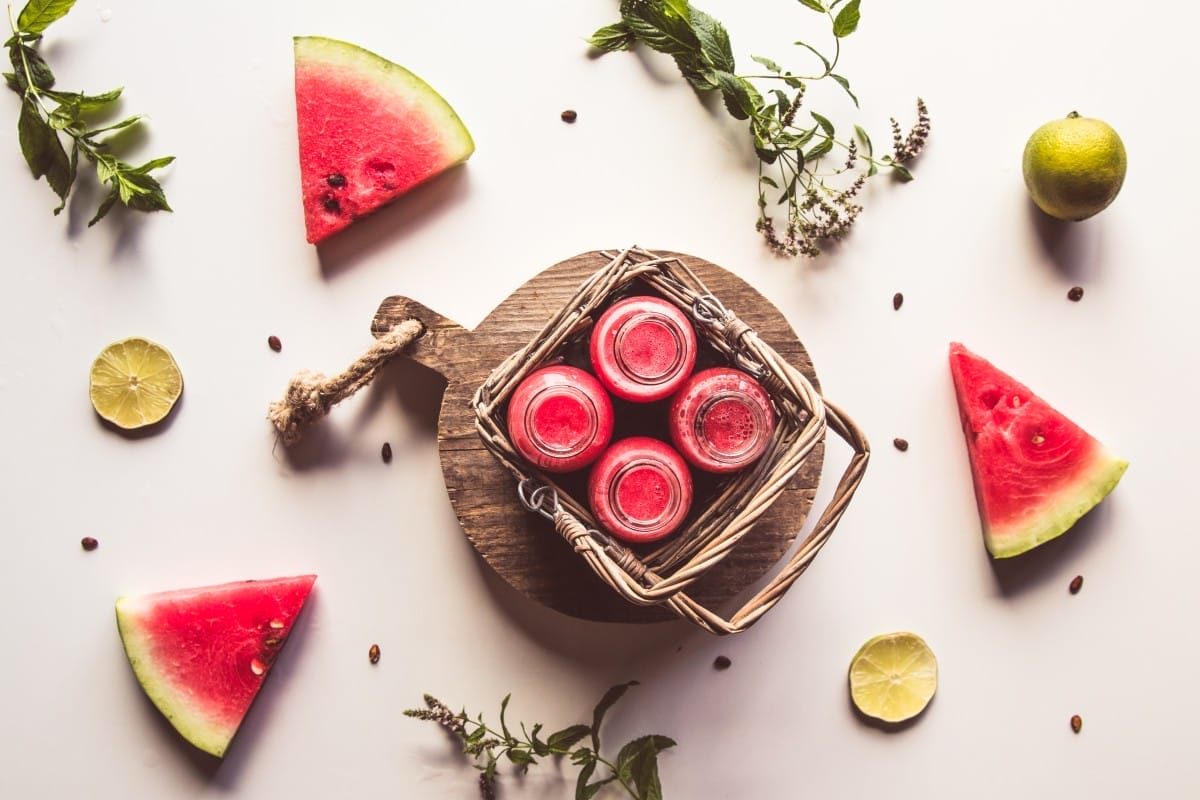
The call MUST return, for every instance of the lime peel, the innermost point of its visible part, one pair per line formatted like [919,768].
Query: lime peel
[134,383]
[893,677]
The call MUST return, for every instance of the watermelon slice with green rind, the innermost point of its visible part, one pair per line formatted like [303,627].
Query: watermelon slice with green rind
[369,131]
[1035,471]
[201,655]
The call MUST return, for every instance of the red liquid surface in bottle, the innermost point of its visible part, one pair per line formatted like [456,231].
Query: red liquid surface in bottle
[640,489]
[560,418]
[721,420]
[643,348]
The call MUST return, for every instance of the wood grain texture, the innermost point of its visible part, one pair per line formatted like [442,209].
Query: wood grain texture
[523,547]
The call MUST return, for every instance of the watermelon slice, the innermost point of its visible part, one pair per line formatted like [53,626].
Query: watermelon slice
[369,131]
[202,654]
[1035,471]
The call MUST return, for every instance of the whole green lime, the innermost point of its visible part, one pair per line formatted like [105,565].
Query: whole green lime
[1074,167]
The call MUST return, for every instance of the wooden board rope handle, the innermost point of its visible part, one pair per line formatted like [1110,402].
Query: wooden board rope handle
[310,395]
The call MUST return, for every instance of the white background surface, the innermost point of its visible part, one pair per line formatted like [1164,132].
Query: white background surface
[212,498]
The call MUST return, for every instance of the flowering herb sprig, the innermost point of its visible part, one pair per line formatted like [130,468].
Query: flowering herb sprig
[46,112]
[791,148]
[635,769]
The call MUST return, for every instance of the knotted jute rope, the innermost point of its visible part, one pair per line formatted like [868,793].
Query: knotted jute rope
[310,395]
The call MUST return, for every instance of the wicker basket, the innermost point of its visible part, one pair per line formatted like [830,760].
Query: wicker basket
[661,576]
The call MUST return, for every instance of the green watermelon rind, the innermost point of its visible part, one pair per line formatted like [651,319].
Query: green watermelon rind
[191,722]
[1061,511]
[364,63]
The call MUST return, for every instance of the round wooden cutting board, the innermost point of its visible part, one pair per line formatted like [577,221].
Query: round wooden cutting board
[521,546]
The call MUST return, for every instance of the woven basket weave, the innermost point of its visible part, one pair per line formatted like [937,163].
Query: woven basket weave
[661,576]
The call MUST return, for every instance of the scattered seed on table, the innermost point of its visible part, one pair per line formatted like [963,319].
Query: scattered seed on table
[373,654]
[1076,584]
[385,452]
[1077,723]
[274,343]
[897,301]
[722,662]
[88,543]
[901,444]
[569,115]
[1076,294]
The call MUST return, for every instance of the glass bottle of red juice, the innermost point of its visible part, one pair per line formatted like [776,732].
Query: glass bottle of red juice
[643,348]
[560,418]
[640,489]
[721,420]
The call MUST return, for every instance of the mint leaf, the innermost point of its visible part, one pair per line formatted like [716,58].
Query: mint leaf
[815,5]
[36,137]
[768,63]
[638,762]
[818,54]
[568,737]
[845,84]
[865,139]
[94,102]
[23,55]
[606,702]
[154,163]
[38,14]
[825,124]
[612,38]
[819,149]
[846,21]
[740,97]
[714,41]
[103,209]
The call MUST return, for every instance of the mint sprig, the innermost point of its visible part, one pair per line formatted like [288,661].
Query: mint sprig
[819,204]
[635,769]
[46,113]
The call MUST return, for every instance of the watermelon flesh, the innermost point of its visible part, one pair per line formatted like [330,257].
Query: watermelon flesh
[369,131]
[1035,471]
[201,655]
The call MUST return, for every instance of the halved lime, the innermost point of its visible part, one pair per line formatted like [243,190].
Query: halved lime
[893,677]
[134,383]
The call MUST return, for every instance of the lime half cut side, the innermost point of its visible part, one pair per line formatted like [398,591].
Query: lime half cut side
[135,383]
[893,677]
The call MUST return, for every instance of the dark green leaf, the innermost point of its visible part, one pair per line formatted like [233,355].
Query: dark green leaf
[116,126]
[38,140]
[104,208]
[663,30]
[38,14]
[638,762]
[475,735]
[825,124]
[819,149]
[901,172]
[568,737]
[145,193]
[65,114]
[865,139]
[818,54]
[845,84]
[94,102]
[714,41]
[612,38]
[815,5]
[766,156]
[768,63]
[521,758]
[769,181]
[582,755]
[15,82]
[23,55]
[793,81]
[740,97]
[610,697]
[504,708]
[582,790]
[846,21]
